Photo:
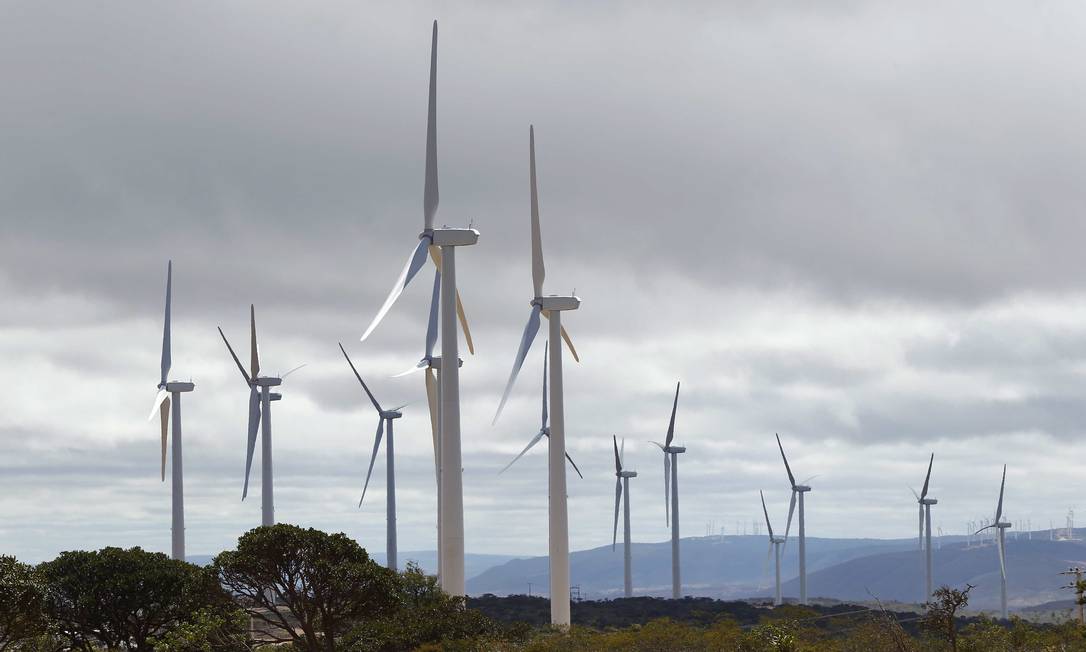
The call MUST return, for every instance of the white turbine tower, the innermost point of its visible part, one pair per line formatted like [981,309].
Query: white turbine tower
[775,544]
[1001,528]
[671,486]
[260,399]
[168,401]
[622,494]
[924,532]
[797,489]
[550,306]
[544,428]
[441,244]
[383,417]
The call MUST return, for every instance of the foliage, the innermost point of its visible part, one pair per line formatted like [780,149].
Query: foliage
[119,598]
[310,587]
[206,631]
[943,610]
[21,617]
[423,614]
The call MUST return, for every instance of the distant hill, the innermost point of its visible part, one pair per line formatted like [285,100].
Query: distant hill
[714,566]
[427,559]
[1033,568]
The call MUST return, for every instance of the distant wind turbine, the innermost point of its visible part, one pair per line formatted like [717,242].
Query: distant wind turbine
[550,306]
[169,400]
[441,245]
[671,491]
[924,533]
[384,417]
[622,494]
[775,550]
[260,398]
[1001,527]
[797,490]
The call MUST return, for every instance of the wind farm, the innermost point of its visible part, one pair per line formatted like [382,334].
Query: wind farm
[854,272]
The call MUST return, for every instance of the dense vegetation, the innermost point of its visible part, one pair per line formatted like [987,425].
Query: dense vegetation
[302,588]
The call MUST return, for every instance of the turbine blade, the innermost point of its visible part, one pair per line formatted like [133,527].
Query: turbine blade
[464,323]
[373,457]
[162,395]
[618,460]
[767,525]
[166,360]
[915,495]
[533,442]
[414,263]
[244,374]
[791,478]
[429,189]
[920,536]
[671,424]
[999,506]
[622,451]
[566,339]
[618,499]
[530,330]
[164,419]
[283,377]
[546,348]
[1002,557]
[791,510]
[376,405]
[539,272]
[419,366]
[431,322]
[924,491]
[254,426]
[431,403]
[254,359]
[574,465]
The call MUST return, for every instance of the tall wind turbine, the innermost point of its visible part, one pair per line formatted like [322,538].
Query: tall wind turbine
[544,429]
[1001,526]
[622,494]
[550,306]
[797,489]
[924,534]
[441,243]
[169,400]
[260,398]
[384,417]
[671,486]
[775,544]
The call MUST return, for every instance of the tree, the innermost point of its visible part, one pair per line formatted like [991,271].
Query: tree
[941,613]
[309,586]
[206,631]
[423,614]
[119,598]
[21,617]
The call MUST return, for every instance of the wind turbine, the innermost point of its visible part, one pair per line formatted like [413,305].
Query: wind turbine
[168,400]
[544,430]
[550,306]
[774,549]
[441,244]
[924,522]
[797,489]
[260,398]
[622,493]
[383,417]
[1001,527]
[671,486]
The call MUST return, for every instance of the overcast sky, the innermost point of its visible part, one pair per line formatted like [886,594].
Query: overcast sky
[857,225]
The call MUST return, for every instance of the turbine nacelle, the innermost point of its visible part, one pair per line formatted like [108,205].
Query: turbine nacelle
[626,474]
[674,449]
[451,237]
[391,414]
[275,396]
[435,362]
[801,488]
[267,381]
[928,501]
[557,303]
[174,386]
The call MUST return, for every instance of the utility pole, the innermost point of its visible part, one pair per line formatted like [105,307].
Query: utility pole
[1079,587]
[529,589]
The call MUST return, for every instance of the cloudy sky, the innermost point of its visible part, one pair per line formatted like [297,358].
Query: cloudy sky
[858,226]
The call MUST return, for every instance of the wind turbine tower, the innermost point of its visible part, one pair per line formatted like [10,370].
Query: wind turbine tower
[441,244]
[797,490]
[671,486]
[775,544]
[924,535]
[550,306]
[622,494]
[168,405]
